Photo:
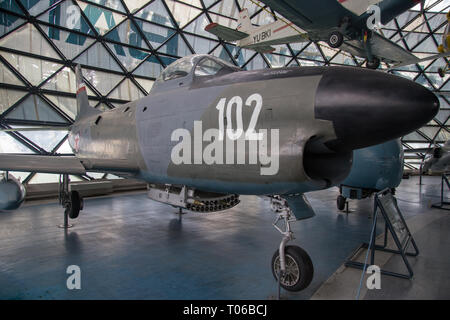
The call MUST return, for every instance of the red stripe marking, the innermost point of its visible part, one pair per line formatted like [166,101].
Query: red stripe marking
[283,27]
[210,26]
[81,89]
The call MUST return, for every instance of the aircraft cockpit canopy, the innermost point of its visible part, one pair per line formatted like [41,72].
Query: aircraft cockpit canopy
[197,65]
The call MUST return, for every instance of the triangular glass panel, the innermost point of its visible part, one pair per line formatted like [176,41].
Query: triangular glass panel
[423,81]
[182,13]
[71,44]
[430,132]
[201,45]
[64,148]
[127,90]
[135,5]
[129,57]
[413,136]
[102,81]
[428,45]
[66,15]
[311,52]
[145,83]
[67,105]
[276,61]
[111,4]
[176,47]
[9,97]
[6,76]
[343,58]
[435,65]
[226,8]
[46,139]
[209,3]
[151,67]
[29,40]
[34,108]
[293,63]
[103,20]
[127,33]
[9,22]
[327,51]
[309,63]
[221,52]
[436,79]
[155,12]
[34,70]
[256,63]
[243,55]
[195,3]
[62,81]
[197,27]
[156,34]
[298,46]
[98,56]
[11,145]
[36,7]
[263,18]
[443,135]
[11,5]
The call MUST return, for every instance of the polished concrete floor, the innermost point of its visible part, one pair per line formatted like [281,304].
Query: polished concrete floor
[129,247]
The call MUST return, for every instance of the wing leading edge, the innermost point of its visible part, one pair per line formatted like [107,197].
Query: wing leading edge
[44,164]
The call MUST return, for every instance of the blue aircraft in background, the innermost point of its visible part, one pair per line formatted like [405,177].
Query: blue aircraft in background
[374,169]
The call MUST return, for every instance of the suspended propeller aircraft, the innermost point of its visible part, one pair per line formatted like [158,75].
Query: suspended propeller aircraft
[345,24]
[209,132]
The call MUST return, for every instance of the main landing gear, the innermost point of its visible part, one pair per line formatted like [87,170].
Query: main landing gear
[291,265]
[70,200]
[335,39]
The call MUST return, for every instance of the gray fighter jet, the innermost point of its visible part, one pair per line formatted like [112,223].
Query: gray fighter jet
[209,132]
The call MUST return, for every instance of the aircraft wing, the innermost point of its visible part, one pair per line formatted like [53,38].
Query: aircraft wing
[382,48]
[225,33]
[38,163]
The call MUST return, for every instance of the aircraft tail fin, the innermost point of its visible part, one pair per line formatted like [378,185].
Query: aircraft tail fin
[83,108]
[244,23]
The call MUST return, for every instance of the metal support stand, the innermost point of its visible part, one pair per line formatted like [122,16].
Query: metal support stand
[64,200]
[443,203]
[347,210]
[394,222]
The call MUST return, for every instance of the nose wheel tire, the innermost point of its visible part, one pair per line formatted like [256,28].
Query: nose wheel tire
[299,269]
[340,201]
[373,64]
[335,39]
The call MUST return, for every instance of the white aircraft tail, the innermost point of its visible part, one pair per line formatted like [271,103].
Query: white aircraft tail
[83,107]
[244,23]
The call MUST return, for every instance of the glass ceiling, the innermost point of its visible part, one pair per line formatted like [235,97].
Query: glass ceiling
[123,45]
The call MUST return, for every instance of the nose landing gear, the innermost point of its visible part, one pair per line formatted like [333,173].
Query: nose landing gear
[291,265]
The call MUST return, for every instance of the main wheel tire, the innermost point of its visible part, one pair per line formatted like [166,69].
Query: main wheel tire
[335,39]
[340,202]
[299,268]
[374,64]
[76,204]
[441,72]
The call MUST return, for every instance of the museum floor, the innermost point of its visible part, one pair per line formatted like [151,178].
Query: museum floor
[129,247]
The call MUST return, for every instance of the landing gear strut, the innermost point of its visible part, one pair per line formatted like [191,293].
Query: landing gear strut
[291,265]
[70,200]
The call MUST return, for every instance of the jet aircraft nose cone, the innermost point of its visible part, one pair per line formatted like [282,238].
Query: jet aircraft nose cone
[370,107]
